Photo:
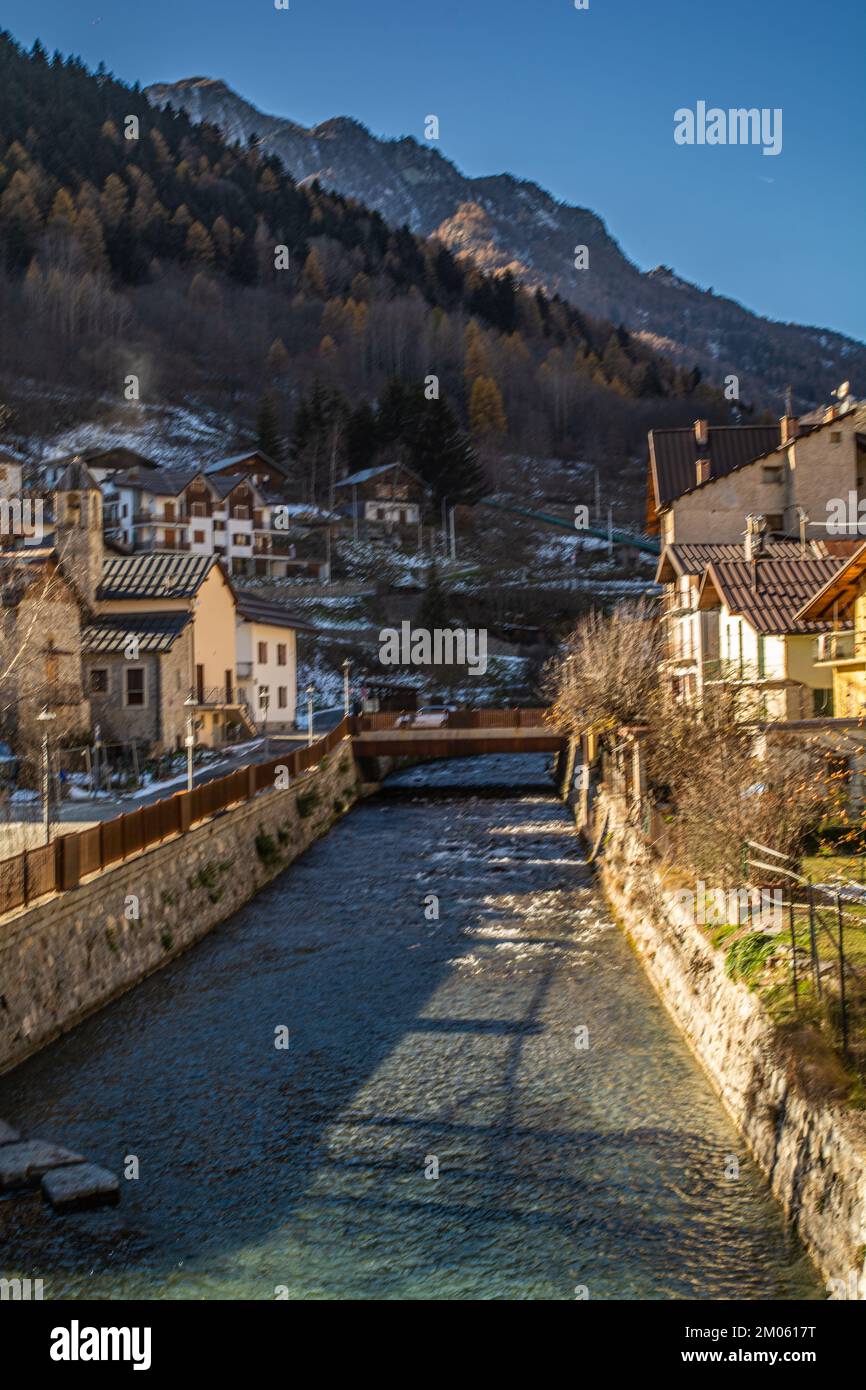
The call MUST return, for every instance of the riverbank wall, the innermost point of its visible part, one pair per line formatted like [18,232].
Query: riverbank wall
[65,957]
[783,1090]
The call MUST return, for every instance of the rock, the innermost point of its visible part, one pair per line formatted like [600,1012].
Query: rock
[8,1135]
[23,1164]
[80,1188]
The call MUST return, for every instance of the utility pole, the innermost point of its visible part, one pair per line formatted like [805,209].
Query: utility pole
[44,717]
[346,668]
[310,693]
[597,496]
[453,535]
[189,702]
[610,529]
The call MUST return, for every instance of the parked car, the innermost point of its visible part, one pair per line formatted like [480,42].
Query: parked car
[427,717]
[9,764]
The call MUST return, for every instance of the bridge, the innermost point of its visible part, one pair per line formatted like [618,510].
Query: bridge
[465,734]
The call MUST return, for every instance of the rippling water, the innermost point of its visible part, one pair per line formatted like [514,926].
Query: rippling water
[411,1040]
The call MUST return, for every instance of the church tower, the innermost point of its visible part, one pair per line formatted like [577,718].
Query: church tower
[78,530]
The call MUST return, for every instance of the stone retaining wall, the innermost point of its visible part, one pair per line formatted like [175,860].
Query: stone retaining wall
[66,957]
[810,1146]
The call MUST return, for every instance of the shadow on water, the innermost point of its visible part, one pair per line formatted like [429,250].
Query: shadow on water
[417,1043]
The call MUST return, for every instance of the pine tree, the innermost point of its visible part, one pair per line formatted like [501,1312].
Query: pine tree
[268,437]
[433,609]
[443,456]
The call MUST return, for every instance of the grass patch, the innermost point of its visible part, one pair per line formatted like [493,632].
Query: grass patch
[307,803]
[746,958]
[266,849]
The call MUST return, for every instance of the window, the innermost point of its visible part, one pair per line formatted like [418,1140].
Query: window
[133,679]
[281,653]
[775,521]
[263,653]
[197,509]
[282,697]
[241,513]
[99,681]
[835,436]
[771,474]
[822,703]
[198,537]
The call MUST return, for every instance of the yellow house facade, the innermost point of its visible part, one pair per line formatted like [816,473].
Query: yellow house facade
[841,650]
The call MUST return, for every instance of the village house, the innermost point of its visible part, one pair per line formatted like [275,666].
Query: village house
[267,660]
[158,663]
[704,480]
[386,497]
[258,467]
[840,650]
[691,631]
[761,642]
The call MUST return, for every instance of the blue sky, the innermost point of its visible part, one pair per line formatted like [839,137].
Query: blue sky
[580,101]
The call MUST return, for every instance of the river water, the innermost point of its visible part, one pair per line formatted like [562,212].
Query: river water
[512,1045]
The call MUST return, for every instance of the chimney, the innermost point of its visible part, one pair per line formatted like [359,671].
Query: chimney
[702,471]
[830,413]
[790,428]
[754,537]
[702,433]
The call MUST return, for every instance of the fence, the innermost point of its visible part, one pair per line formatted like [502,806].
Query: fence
[826,946]
[63,862]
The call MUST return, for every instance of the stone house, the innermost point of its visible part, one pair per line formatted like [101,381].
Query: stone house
[40,649]
[137,674]
[705,481]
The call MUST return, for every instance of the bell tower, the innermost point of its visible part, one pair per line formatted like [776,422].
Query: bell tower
[78,530]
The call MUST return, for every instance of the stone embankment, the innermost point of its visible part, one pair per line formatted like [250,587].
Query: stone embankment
[782,1091]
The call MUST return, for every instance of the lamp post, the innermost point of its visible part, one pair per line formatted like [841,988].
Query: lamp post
[346,668]
[44,718]
[189,706]
[310,693]
[264,706]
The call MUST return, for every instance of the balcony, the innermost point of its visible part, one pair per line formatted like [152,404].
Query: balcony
[833,648]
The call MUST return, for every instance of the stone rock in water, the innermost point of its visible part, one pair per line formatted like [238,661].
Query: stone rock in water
[80,1188]
[8,1135]
[22,1165]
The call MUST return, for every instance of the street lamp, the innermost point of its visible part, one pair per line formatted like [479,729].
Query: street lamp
[43,719]
[346,668]
[264,705]
[310,694]
[189,705]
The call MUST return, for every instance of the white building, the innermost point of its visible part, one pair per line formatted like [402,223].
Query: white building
[267,660]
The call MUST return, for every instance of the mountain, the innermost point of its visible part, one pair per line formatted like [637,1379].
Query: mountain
[504,222]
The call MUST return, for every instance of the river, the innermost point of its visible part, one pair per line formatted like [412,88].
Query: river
[512,1045]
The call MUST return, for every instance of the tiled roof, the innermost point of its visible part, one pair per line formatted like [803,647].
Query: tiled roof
[155,632]
[674,454]
[261,610]
[769,593]
[155,575]
[838,592]
[693,557]
[217,465]
[163,481]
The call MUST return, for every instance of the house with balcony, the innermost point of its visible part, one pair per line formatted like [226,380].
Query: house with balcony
[704,480]
[693,632]
[384,498]
[267,660]
[840,650]
[228,516]
[764,644]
